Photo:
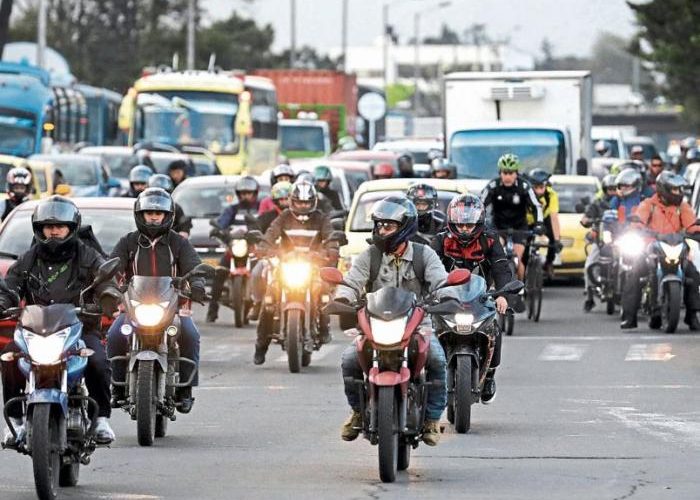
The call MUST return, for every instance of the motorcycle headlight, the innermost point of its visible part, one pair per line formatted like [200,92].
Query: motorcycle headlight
[150,314]
[388,332]
[672,252]
[464,323]
[296,274]
[607,237]
[631,245]
[239,248]
[46,350]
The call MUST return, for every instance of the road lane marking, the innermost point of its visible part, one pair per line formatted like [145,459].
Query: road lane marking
[665,427]
[564,338]
[650,352]
[563,352]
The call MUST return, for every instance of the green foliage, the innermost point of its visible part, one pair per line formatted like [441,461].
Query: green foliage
[398,92]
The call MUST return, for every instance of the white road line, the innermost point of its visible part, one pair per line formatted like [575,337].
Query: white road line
[650,352]
[564,338]
[666,427]
[563,352]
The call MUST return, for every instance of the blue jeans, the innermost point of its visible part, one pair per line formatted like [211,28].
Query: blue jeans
[118,345]
[435,367]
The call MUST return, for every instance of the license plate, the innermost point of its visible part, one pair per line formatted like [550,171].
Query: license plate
[211,261]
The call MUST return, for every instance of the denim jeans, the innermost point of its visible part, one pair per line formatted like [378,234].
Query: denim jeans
[118,345]
[435,367]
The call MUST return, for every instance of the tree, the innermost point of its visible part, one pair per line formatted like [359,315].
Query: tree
[446,37]
[5,13]
[669,30]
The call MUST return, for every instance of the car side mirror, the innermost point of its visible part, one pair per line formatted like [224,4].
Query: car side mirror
[581,166]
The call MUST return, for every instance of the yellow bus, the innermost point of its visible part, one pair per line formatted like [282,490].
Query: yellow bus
[232,116]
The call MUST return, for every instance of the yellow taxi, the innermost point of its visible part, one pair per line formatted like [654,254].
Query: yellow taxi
[571,189]
[358,226]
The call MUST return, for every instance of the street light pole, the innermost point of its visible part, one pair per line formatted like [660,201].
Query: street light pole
[190,33]
[385,44]
[41,35]
[344,42]
[416,59]
[293,31]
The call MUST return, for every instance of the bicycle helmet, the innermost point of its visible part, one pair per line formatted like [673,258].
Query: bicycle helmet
[161,181]
[19,182]
[668,182]
[56,210]
[302,200]
[397,209]
[466,209]
[628,182]
[509,162]
[154,199]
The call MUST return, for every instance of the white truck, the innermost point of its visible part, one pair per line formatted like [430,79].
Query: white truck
[542,116]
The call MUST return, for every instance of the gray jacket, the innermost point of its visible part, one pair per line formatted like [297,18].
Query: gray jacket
[390,274]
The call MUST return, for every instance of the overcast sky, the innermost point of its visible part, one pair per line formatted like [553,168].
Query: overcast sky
[571,25]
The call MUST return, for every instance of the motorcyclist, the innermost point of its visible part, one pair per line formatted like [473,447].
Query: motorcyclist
[19,188]
[594,212]
[382,171]
[656,166]
[629,193]
[177,170]
[510,198]
[430,220]
[138,180]
[54,271]
[234,215]
[602,148]
[637,153]
[405,163]
[281,173]
[301,222]
[549,201]
[468,244]
[395,222]
[664,213]
[322,181]
[686,145]
[442,168]
[154,249]
[182,224]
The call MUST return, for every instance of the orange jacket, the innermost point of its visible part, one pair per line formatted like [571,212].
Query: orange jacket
[666,219]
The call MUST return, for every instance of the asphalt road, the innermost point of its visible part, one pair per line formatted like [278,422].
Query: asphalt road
[583,411]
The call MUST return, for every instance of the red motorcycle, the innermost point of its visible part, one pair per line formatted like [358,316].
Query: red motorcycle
[393,350]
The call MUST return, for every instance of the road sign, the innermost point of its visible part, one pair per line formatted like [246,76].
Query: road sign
[371,106]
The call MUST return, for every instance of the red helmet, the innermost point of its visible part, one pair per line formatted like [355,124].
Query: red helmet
[466,209]
[382,171]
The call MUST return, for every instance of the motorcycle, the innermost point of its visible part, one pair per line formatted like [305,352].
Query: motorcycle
[469,339]
[238,272]
[59,434]
[152,375]
[392,351]
[294,295]
[602,275]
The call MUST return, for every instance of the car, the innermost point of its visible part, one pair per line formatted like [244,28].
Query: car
[647,144]
[86,175]
[371,157]
[118,158]
[423,149]
[571,190]
[203,198]
[110,219]
[358,226]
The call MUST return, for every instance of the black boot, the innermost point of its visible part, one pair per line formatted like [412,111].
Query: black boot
[691,319]
[117,396]
[254,312]
[628,323]
[488,393]
[184,399]
[213,312]
[259,356]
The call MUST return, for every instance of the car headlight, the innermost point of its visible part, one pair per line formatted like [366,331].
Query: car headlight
[296,274]
[150,314]
[631,245]
[607,237]
[388,332]
[672,252]
[46,350]
[239,248]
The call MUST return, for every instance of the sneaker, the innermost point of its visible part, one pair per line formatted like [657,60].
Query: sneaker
[352,427]
[588,305]
[628,324]
[185,401]
[488,393]
[103,431]
[431,432]
[8,439]
[259,356]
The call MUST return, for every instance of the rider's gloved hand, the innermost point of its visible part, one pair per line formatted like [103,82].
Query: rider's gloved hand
[538,229]
[198,293]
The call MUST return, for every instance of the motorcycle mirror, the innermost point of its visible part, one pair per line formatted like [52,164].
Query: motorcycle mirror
[338,236]
[254,236]
[331,275]
[200,271]
[512,288]
[214,223]
[106,271]
[458,277]
[336,308]
[337,224]
[446,307]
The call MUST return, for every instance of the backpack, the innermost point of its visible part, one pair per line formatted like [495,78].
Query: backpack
[375,262]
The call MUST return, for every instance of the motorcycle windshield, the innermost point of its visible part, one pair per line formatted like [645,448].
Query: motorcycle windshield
[151,289]
[471,290]
[390,303]
[47,320]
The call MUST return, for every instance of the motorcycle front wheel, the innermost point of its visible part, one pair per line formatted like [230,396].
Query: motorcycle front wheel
[295,340]
[463,394]
[238,300]
[388,435]
[672,306]
[46,460]
[146,403]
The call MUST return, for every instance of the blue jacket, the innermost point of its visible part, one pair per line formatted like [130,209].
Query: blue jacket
[234,215]
[627,204]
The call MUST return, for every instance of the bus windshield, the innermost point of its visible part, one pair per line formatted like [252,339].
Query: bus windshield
[476,152]
[190,119]
[17,135]
[309,138]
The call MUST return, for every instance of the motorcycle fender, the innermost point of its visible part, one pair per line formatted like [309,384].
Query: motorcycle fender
[389,378]
[423,346]
[239,271]
[48,396]
[299,306]
[463,351]
[670,278]
[149,356]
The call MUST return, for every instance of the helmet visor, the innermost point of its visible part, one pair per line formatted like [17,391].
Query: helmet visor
[52,212]
[154,203]
[464,214]
[388,210]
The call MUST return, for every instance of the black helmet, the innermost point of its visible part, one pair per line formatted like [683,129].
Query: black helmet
[154,199]
[140,174]
[16,177]
[280,170]
[177,165]
[539,177]
[423,193]
[666,182]
[443,165]
[397,209]
[628,182]
[302,200]
[466,209]
[247,184]
[405,162]
[56,210]
[161,181]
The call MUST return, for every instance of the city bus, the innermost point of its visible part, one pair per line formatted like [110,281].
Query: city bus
[211,109]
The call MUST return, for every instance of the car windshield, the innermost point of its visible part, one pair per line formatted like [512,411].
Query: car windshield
[649,150]
[197,118]
[161,162]
[205,201]
[355,178]
[75,171]
[571,194]
[361,219]
[302,138]
[119,163]
[17,135]
[476,152]
[108,225]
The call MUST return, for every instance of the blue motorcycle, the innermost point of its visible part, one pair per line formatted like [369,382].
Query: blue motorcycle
[58,434]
